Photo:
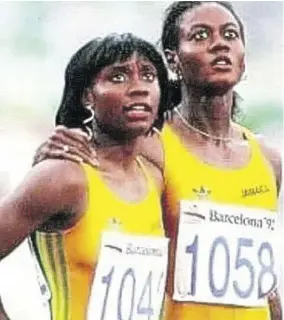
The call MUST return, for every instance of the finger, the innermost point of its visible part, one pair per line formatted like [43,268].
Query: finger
[74,134]
[86,157]
[60,154]
[38,158]
[66,140]
[38,154]
[48,153]
[89,160]
[72,148]
[80,131]
[62,133]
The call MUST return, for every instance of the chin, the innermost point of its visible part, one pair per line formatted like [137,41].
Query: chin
[221,86]
[137,132]
[133,132]
[128,131]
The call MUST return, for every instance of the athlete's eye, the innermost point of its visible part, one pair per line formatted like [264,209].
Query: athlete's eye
[118,77]
[149,76]
[231,34]
[200,35]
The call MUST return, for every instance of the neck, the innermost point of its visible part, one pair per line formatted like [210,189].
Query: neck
[121,152]
[209,114]
[101,138]
[123,156]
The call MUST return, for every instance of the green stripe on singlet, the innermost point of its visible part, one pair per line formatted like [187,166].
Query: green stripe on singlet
[54,263]
[48,264]
[63,278]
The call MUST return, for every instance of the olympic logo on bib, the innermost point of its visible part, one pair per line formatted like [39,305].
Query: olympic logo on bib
[225,264]
[130,278]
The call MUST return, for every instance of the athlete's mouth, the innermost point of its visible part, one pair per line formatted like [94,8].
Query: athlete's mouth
[139,107]
[221,61]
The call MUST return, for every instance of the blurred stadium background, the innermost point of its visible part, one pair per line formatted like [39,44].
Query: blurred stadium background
[38,38]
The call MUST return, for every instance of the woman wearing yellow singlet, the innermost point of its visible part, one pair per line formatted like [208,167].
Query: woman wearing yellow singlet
[211,159]
[98,232]
[221,180]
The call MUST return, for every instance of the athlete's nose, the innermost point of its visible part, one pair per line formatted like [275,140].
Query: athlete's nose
[138,87]
[219,43]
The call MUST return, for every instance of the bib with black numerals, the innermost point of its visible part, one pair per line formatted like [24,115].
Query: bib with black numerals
[225,254]
[130,278]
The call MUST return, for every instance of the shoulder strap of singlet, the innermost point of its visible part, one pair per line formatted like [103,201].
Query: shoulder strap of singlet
[252,139]
[150,180]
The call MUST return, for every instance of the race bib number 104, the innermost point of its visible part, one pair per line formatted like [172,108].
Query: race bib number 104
[130,278]
[225,254]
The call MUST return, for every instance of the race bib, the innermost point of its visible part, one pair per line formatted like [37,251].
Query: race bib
[130,278]
[225,254]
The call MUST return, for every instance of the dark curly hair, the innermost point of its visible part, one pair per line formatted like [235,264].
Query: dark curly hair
[87,62]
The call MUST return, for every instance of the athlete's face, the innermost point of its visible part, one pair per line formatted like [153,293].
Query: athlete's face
[126,97]
[211,51]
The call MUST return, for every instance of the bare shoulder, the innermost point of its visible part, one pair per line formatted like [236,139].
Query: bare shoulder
[273,155]
[50,188]
[53,186]
[151,149]
[59,173]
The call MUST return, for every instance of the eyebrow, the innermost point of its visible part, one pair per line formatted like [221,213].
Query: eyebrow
[125,67]
[204,25]
[230,24]
[148,66]
[121,68]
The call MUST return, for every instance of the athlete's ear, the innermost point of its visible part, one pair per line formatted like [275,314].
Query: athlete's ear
[172,60]
[243,68]
[174,64]
[88,97]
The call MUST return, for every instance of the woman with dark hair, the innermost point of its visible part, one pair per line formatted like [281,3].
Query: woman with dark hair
[97,233]
[231,173]
[221,180]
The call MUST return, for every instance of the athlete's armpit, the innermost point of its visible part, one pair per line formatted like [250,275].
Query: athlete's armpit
[51,187]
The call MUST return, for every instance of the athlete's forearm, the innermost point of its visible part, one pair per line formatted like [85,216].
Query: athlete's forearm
[3,315]
[275,306]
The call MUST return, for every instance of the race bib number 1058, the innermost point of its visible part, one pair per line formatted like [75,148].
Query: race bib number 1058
[225,254]
[130,278]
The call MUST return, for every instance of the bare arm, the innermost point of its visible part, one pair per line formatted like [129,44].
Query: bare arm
[274,157]
[275,307]
[3,315]
[50,188]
